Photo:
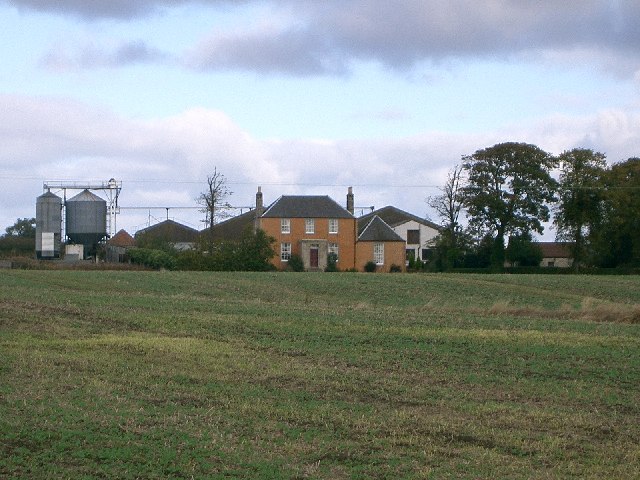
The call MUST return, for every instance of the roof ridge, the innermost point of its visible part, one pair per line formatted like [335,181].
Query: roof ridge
[368,225]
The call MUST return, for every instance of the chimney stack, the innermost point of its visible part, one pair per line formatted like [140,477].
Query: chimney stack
[259,208]
[350,204]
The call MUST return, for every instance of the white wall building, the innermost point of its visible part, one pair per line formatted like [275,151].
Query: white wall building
[418,233]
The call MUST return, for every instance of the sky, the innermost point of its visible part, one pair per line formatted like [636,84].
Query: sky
[300,96]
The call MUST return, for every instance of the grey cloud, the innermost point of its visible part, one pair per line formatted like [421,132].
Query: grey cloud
[326,37]
[99,9]
[92,56]
[293,51]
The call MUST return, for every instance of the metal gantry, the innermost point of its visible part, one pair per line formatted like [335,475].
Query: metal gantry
[111,188]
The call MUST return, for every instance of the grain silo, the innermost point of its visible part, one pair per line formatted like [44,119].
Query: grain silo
[48,225]
[86,220]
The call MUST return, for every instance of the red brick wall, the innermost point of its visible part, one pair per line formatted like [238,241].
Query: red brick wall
[394,254]
[345,238]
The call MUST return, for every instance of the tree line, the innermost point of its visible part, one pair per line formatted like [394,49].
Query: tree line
[496,199]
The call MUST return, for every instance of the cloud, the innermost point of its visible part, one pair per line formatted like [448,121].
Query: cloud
[327,37]
[167,159]
[113,9]
[291,50]
[92,57]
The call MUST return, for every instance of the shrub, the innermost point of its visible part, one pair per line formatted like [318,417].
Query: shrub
[156,259]
[370,266]
[332,260]
[295,263]
[396,268]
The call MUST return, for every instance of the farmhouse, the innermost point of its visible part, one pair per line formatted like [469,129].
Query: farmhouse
[417,233]
[555,254]
[316,226]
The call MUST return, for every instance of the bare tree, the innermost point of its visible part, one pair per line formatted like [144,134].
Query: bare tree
[214,199]
[448,204]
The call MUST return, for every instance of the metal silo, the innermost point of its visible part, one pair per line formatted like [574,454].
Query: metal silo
[48,225]
[86,219]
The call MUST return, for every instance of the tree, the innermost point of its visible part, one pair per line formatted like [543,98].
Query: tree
[213,200]
[255,251]
[24,227]
[580,198]
[522,252]
[616,239]
[448,205]
[507,191]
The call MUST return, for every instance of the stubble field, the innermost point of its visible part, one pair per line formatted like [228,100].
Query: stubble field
[284,375]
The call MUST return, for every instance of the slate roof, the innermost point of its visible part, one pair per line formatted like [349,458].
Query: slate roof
[378,231]
[306,206]
[170,231]
[555,249]
[233,228]
[394,216]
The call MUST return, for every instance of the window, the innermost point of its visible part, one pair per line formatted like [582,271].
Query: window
[333,250]
[285,252]
[285,225]
[413,237]
[378,253]
[309,225]
[333,225]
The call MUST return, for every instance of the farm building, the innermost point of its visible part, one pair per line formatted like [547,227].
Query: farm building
[118,245]
[181,237]
[418,233]
[556,254]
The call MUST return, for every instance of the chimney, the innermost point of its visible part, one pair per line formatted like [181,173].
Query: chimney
[350,204]
[259,209]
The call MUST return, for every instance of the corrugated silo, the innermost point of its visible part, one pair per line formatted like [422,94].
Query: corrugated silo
[48,225]
[86,219]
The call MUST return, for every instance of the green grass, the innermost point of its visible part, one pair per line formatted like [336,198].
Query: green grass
[282,375]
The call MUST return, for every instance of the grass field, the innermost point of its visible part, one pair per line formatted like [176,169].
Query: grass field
[284,375]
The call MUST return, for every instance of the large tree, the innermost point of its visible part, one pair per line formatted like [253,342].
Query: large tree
[617,237]
[214,199]
[508,188]
[580,198]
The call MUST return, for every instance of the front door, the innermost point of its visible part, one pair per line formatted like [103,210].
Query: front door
[313,257]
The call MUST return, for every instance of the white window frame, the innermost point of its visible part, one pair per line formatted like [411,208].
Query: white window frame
[378,253]
[334,248]
[333,225]
[285,251]
[309,225]
[285,225]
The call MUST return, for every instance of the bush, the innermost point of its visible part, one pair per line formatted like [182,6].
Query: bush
[332,260]
[156,259]
[396,268]
[370,266]
[11,246]
[295,263]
